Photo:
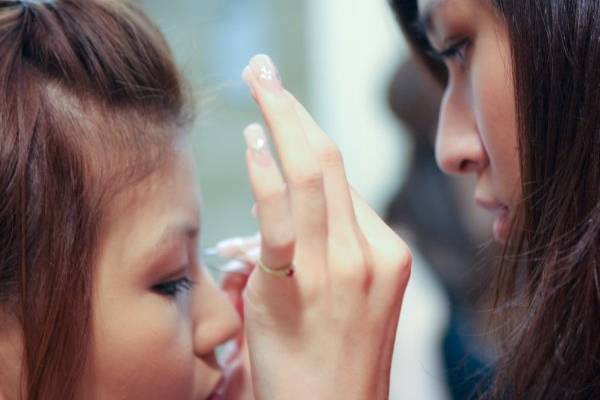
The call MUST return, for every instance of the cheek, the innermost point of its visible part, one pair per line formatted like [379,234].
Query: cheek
[494,104]
[143,349]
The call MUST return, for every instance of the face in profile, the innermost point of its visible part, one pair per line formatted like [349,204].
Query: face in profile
[158,317]
[477,131]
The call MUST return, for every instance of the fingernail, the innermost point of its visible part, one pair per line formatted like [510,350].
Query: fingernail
[256,141]
[254,211]
[265,72]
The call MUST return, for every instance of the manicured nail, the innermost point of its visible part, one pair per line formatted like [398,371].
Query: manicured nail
[265,72]
[256,141]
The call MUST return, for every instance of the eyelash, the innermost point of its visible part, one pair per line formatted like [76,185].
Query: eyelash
[455,52]
[174,288]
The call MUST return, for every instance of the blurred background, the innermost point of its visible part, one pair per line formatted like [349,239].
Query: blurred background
[347,62]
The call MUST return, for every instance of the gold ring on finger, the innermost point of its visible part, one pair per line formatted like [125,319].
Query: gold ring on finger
[283,271]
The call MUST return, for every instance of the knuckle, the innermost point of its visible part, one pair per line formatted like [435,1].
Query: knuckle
[281,244]
[331,156]
[400,262]
[311,180]
[271,197]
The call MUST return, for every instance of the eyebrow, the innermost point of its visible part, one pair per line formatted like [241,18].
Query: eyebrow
[182,229]
[173,231]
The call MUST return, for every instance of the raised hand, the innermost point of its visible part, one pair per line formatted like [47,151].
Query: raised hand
[327,330]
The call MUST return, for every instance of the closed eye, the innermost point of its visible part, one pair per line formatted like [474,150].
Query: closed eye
[174,287]
[453,53]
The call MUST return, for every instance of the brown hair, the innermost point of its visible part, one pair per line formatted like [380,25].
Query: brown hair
[90,96]
[549,280]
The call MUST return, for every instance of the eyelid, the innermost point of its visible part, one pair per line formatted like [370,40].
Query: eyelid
[175,274]
[450,51]
[172,288]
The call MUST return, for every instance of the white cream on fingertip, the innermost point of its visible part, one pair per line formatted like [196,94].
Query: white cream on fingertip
[256,141]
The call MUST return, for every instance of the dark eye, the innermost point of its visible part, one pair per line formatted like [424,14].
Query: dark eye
[173,288]
[456,52]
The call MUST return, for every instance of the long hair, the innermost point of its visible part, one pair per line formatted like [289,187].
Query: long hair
[549,280]
[89,97]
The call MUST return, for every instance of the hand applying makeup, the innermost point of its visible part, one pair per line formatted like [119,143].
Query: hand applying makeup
[328,330]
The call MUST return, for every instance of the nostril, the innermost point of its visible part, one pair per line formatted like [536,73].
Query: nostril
[466,166]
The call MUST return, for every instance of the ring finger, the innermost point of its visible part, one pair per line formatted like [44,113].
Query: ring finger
[272,201]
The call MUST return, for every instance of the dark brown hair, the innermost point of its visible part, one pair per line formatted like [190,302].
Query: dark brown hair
[90,96]
[549,280]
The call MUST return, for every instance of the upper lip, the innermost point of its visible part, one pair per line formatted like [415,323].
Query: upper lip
[491,205]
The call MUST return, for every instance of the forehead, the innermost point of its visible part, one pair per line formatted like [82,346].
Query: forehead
[166,198]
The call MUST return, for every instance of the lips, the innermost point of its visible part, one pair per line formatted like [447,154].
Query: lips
[490,205]
[501,213]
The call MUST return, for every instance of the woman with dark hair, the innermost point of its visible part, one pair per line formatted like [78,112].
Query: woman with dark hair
[520,111]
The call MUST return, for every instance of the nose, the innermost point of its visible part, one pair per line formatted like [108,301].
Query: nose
[215,319]
[458,146]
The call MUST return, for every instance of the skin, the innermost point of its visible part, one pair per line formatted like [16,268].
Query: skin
[477,130]
[148,344]
[10,354]
[327,331]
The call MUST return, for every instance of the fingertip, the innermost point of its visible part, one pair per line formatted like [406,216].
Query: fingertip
[265,72]
[258,145]
[255,137]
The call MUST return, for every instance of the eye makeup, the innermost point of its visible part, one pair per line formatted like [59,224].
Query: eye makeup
[454,52]
[174,287]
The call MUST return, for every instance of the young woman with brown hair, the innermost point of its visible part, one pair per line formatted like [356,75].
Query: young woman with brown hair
[99,212]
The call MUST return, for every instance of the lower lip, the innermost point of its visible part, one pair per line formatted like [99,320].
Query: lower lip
[501,226]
